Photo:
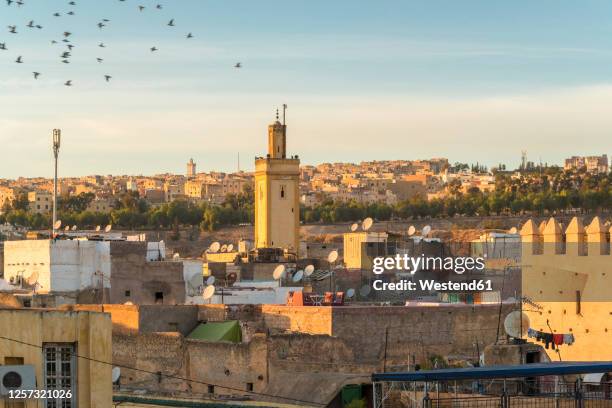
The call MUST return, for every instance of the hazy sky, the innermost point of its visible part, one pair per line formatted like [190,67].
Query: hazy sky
[468,80]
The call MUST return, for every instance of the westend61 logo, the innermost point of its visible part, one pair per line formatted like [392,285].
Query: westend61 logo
[409,264]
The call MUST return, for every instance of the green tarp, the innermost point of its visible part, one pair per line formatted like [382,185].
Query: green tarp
[218,331]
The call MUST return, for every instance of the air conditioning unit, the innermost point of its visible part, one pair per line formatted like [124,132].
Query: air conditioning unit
[13,378]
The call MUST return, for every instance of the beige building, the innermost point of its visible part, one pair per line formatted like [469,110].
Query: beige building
[69,349]
[567,275]
[277,206]
[191,168]
[41,202]
[361,247]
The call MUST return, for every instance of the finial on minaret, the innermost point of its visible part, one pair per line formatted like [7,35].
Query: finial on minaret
[277,114]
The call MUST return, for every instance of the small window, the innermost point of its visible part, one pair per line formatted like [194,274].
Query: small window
[128,293]
[249,387]
[211,389]
[282,191]
[159,297]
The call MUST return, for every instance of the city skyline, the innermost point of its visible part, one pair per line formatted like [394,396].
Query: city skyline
[395,80]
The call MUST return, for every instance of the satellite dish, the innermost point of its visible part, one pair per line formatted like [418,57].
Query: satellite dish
[516,324]
[57,225]
[279,272]
[210,280]
[232,277]
[367,224]
[209,292]
[513,230]
[309,270]
[230,247]
[332,257]
[214,247]
[116,373]
[128,303]
[426,230]
[298,276]
[196,281]
[176,256]
[67,228]
[74,227]
[224,248]
[350,293]
[411,230]
[97,228]
[354,227]
[365,290]
[33,278]
[108,228]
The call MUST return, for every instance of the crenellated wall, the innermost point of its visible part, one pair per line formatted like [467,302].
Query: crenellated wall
[567,272]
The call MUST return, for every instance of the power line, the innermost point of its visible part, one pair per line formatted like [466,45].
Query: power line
[160,374]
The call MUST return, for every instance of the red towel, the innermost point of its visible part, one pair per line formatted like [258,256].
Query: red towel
[558,339]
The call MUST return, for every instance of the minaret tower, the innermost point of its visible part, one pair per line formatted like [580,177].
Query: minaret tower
[277,207]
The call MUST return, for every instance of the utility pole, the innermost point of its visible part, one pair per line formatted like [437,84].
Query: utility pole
[57,135]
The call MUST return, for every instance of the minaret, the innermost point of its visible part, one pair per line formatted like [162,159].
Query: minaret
[277,209]
[191,168]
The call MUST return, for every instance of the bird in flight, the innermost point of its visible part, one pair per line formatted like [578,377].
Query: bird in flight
[238,65]
[36,74]
[159,7]
[153,49]
[101,45]
[31,24]
[56,14]
[3,46]
[68,83]
[171,23]
[19,60]
[107,77]
[99,59]
[189,35]
[12,29]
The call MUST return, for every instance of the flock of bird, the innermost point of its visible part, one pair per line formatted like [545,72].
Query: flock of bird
[67,37]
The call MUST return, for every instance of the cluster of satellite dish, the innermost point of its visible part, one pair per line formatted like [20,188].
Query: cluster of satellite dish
[58,224]
[217,247]
[365,225]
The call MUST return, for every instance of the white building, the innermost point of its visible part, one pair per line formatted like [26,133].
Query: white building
[57,265]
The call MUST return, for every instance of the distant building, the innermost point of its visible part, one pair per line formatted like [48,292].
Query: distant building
[41,202]
[191,168]
[277,206]
[593,164]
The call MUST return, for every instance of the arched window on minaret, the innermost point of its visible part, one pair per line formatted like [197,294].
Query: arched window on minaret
[282,191]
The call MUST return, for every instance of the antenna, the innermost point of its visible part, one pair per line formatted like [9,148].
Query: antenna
[57,138]
[367,223]
[284,113]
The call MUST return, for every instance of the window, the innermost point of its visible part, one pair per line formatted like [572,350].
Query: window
[60,372]
[282,192]
[159,297]
[128,293]
[249,387]
[211,389]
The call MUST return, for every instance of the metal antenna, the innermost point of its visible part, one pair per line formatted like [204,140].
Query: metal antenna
[57,136]
[284,112]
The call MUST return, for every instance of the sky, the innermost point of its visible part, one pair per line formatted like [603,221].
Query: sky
[473,81]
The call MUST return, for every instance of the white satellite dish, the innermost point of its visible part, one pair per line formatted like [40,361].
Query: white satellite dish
[426,230]
[116,373]
[350,293]
[214,247]
[67,228]
[309,270]
[279,272]
[209,292]
[224,248]
[516,324]
[196,281]
[33,278]
[411,230]
[367,224]
[128,303]
[354,227]
[57,225]
[230,247]
[298,276]
[108,228]
[176,256]
[513,230]
[98,228]
[74,227]
[210,280]
[332,257]
[365,290]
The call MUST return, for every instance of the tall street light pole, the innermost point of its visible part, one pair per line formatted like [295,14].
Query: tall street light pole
[57,135]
